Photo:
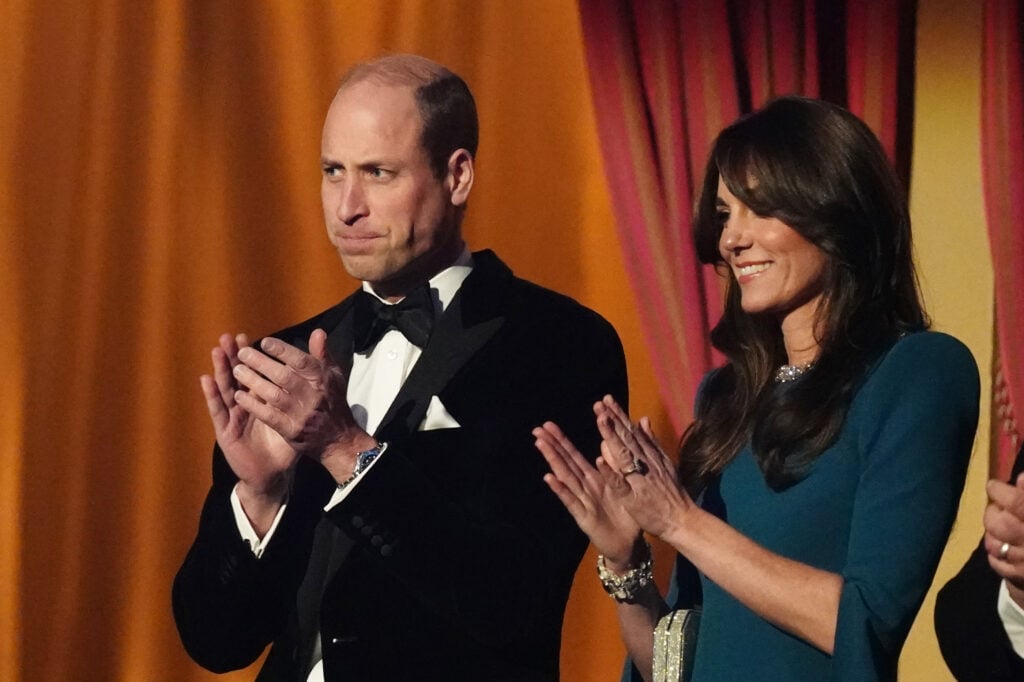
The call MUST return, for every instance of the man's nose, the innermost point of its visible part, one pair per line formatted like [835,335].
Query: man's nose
[352,201]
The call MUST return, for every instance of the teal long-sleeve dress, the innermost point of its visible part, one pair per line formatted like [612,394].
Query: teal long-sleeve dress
[876,508]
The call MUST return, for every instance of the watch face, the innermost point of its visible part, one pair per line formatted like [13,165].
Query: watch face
[364,458]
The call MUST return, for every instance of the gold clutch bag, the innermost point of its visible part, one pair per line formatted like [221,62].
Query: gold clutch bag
[675,643]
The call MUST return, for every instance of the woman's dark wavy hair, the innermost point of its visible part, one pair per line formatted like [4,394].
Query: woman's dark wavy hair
[820,170]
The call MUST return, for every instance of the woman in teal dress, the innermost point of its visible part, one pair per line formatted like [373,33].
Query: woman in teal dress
[815,489]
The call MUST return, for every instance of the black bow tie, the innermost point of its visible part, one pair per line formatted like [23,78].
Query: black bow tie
[413,316]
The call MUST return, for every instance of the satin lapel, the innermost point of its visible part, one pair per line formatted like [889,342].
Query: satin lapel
[330,549]
[471,319]
[330,546]
[339,339]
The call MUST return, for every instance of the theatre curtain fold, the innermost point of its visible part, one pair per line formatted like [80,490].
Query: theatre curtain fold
[666,76]
[1002,153]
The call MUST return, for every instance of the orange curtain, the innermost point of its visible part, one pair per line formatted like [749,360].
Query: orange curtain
[159,170]
[1002,149]
[667,75]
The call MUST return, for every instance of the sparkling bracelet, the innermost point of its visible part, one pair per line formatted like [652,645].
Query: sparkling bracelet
[624,588]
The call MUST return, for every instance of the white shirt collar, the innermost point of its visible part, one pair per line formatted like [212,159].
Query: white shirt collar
[445,284]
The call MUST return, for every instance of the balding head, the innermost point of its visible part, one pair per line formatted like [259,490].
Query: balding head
[445,104]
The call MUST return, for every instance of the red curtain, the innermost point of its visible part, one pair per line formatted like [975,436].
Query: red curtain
[1002,114]
[667,75]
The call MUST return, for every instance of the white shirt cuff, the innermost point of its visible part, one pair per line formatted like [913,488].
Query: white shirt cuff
[255,542]
[1012,616]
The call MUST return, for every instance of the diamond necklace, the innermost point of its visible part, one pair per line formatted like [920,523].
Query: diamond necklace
[791,372]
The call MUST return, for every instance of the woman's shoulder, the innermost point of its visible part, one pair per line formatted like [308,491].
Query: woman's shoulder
[931,359]
[929,340]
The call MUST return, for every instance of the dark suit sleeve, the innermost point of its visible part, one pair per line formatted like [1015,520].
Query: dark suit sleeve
[228,605]
[971,635]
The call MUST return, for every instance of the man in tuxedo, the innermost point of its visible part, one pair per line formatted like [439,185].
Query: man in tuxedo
[979,614]
[378,509]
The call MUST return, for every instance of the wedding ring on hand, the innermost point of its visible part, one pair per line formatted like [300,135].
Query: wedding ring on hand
[1004,550]
[637,467]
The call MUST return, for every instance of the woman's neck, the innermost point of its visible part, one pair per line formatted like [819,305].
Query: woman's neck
[799,335]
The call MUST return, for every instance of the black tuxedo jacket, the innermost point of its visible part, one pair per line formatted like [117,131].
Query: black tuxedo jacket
[971,634]
[451,559]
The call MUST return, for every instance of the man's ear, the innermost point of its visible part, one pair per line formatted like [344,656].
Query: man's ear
[460,176]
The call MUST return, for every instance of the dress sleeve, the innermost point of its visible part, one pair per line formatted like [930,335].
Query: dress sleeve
[915,420]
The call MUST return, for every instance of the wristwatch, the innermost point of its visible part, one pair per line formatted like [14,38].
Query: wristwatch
[365,458]
[363,461]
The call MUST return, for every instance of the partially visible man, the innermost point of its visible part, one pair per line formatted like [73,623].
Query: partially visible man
[979,614]
[378,510]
